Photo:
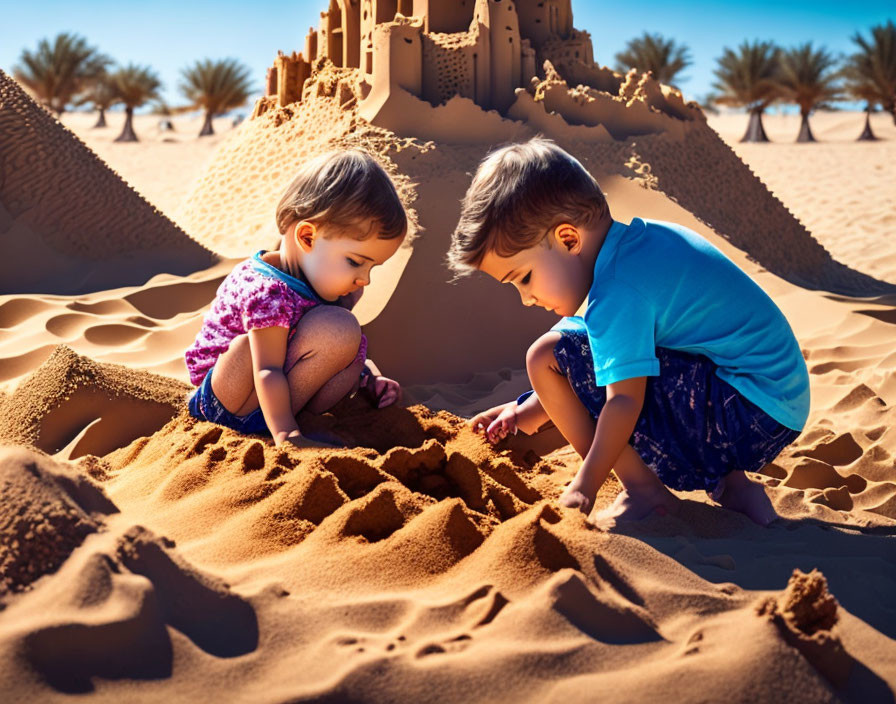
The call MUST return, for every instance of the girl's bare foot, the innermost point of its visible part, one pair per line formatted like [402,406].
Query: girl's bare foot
[745,496]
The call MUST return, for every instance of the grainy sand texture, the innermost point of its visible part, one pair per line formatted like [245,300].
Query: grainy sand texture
[147,556]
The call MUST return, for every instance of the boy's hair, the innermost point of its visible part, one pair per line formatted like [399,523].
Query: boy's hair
[347,190]
[518,194]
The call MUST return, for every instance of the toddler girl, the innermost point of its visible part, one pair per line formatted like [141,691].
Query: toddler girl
[279,336]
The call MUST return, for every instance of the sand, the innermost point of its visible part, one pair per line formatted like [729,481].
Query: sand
[148,555]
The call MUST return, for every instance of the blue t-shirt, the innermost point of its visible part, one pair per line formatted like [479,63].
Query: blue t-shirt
[658,284]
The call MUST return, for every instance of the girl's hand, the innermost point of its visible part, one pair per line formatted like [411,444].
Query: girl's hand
[383,390]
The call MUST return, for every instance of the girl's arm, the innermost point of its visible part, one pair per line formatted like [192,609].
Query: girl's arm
[268,348]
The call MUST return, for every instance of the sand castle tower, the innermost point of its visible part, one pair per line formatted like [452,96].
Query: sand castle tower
[479,49]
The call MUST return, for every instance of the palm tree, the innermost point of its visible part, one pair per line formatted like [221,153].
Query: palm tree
[134,85]
[215,86]
[101,94]
[808,80]
[749,78]
[57,71]
[871,72]
[651,52]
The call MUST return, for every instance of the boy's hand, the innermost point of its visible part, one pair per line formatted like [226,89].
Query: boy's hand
[497,422]
[503,425]
[383,390]
[574,497]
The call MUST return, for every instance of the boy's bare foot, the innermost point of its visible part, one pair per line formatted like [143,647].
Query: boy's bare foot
[634,507]
[745,496]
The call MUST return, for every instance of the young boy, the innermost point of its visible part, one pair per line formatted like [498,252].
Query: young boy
[682,373]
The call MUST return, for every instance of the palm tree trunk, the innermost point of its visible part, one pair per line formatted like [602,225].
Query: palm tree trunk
[805,134]
[867,135]
[207,128]
[755,131]
[101,120]
[127,134]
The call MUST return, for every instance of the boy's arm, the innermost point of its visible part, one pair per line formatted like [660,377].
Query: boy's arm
[530,414]
[268,347]
[614,428]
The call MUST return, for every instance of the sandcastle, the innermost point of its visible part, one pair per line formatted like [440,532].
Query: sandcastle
[482,50]
[430,94]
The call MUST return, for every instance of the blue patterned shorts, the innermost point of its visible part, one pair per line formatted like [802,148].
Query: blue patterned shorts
[694,427]
[204,405]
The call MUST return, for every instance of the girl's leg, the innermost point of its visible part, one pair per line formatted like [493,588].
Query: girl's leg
[319,364]
[644,492]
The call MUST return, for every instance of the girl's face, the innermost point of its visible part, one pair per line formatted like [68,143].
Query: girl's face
[550,275]
[336,265]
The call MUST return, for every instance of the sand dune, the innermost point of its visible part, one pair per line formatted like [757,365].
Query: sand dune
[60,204]
[149,555]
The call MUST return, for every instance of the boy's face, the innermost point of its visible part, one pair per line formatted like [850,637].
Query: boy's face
[337,264]
[551,274]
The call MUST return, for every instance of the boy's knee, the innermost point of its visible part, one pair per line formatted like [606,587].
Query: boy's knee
[540,356]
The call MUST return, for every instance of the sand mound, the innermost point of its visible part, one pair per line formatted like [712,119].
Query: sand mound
[111,611]
[49,510]
[426,493]
[805,615]
[61,205]
[75,406]
[422,552]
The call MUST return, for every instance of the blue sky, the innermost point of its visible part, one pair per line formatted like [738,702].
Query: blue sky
[169,35]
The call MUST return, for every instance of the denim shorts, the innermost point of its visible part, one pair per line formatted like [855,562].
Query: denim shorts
[204,405]
[694,427]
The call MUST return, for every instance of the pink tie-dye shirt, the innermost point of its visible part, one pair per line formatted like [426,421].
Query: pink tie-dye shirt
[254,295]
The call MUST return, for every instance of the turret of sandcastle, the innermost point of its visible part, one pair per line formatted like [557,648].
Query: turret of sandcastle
[483,50]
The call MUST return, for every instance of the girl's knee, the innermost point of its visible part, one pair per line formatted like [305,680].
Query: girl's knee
[331,328]
[540,356]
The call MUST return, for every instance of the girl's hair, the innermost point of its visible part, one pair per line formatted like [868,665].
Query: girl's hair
[518,194]
[347,190]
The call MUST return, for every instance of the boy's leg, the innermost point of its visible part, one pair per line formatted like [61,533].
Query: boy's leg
[740,493]
[644,490]
[322,351]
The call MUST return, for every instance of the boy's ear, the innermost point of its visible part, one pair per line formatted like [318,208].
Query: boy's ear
[305,232]
[569,237]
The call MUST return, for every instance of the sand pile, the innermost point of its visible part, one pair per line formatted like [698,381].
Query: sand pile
[74,406]
[420,566]
[63,207]
[50,509]
[806,614]
[421,490]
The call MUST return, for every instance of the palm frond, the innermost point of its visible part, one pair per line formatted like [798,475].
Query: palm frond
[216,86]
[652,52]
[750,76]
[135,85]
[56,71]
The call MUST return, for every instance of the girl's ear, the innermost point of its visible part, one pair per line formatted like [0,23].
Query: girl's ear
[305,232]
[568,237]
